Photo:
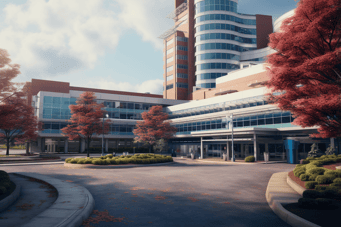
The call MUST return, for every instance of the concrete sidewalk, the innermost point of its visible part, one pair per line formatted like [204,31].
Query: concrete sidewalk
[280,192]
[46,201]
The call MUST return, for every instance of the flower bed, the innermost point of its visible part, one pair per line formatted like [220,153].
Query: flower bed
[6,185]
[119,160]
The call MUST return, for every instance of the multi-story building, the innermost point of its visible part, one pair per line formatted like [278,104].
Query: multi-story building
[209,40]
[51,101]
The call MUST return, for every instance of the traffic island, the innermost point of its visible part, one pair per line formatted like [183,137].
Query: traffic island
[9,191]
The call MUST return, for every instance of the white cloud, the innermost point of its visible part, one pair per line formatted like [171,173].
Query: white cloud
[148,18]
[58,36]
[152,86]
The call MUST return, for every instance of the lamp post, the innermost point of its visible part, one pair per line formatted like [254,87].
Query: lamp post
[231,118]
[103,134]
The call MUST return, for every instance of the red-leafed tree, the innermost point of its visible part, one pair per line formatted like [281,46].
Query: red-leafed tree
[86,119]
[153,127]
[306,69]
[19,123]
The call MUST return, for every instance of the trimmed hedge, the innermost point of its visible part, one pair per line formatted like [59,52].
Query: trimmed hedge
[311,184]
[250,159]
[322,179]
[317,170]
[132,159]
[313,177]
[305,177]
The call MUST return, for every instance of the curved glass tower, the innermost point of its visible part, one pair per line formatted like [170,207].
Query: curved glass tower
[221,35]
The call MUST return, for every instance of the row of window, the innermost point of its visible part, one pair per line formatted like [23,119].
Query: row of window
[170,41]
[251,121]
[225,36]
[169,86]
[223,46]
[207,76]
[217,66]
[225,17]
[58,102]
[170,50]
[182,57]
[183,39]
[256,59]
[55,127]
[126,105]
[210,5]
[182,75]
[206,85]
[209,56]
[184,48]
[213,108]
[182,85]
[180,66]
[214,26]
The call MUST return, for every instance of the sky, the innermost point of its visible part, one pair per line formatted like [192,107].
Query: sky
[105,44]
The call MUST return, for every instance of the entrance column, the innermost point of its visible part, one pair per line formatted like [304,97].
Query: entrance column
[42,145]
[201,148]
[255,150]
[66,146]
[106,145]
[228,149]
[242,151]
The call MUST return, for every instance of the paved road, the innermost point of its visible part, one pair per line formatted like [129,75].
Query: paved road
[181,194]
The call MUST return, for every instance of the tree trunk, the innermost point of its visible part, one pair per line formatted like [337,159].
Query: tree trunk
[27,148]
[88,151]
[80,145]
[7,147]
[150,147]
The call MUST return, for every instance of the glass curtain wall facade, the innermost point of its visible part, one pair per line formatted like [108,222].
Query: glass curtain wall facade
[221,34]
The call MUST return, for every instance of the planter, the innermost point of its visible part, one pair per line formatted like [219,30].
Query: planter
[266,157]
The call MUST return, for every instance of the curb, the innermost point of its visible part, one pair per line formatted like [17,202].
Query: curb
[92,166]
[298,188]
[279,192]
[60,214]
[236,163]
[30,162]
[9,200]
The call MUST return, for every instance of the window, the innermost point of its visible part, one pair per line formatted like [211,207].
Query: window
[170,41]
[170,59]
[182,39]
[170,51]
[171,77]
[182,75]
[182,85]
[184,48]
[169,86]
[180,66]
[182,57]
[170,68]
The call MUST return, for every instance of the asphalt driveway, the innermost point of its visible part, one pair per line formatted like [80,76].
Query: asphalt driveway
[181,194]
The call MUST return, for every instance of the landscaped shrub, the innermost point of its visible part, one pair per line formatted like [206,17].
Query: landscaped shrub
[88,161]
[299,173]
[307,203]
[310,166]
[327,161]
[96,161]
[330,194]
[324,202]
[334,173]
[4,177]
[310,184]
[317,170]
[73,161]
[338,185]
[146,161]
[313,177]
[316,163]
[250,159]
[68,160]
[312,194]
[320,187]
[3,190]
[304,177]
[337,180]
[81,161]
[110,155]
[322,179]
[107,161]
